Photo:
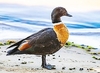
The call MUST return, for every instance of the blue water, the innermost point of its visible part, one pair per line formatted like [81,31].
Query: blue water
[20,21]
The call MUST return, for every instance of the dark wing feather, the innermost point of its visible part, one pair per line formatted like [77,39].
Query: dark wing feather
[38,39]
[29,37]
[45,42]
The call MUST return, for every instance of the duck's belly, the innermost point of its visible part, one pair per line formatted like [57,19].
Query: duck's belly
[41,50]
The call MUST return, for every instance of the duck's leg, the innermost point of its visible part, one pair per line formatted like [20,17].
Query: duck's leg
[44,65]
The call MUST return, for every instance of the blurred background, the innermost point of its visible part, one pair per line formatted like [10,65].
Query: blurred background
[21,18]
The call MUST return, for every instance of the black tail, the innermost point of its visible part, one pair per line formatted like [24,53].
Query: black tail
[12,51]
[16,44]
[15,49]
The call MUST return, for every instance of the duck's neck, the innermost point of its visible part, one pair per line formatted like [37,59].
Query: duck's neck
[58,24]
[56,20]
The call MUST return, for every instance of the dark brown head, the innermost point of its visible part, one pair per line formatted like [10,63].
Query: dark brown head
[57,13]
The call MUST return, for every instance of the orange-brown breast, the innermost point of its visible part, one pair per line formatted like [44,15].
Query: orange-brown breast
[62,33]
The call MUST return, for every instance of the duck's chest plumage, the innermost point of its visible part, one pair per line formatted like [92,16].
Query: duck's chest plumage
[61,32]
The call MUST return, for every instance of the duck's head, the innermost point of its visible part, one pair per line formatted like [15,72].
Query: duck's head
[57,13]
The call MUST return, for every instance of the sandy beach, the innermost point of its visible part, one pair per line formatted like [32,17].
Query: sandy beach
[66,60]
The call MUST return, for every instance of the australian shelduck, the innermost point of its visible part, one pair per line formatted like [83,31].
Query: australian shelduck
[45,41]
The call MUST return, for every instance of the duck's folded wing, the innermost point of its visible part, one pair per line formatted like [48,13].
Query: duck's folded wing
[42,38]
[30,38]
[35,39]
[43,42]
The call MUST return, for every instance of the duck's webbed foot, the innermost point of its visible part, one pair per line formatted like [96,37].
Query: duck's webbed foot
[49,67]
[46,66]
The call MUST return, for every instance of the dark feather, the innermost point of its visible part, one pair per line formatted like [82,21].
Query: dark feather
[29,37]
[42,42]
[12,51]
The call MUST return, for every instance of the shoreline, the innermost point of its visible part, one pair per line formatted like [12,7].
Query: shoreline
[66,60]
